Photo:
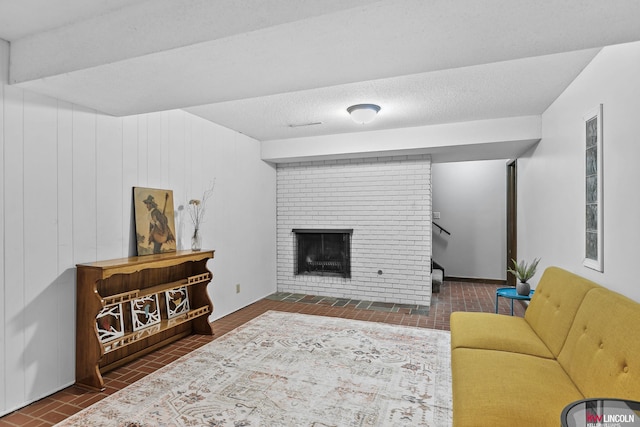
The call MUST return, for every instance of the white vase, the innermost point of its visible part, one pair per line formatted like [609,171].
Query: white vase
[523,289]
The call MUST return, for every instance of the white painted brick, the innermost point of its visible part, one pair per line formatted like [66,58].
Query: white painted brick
[386,200]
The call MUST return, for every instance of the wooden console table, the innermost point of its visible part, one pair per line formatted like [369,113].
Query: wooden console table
[131,306]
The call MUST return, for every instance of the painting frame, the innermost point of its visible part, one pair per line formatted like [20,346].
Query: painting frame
[594,194]
[154,220]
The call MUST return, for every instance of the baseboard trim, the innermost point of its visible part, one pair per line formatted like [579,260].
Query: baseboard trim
[476,280]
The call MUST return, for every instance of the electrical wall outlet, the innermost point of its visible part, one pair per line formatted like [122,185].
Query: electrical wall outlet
[237,288]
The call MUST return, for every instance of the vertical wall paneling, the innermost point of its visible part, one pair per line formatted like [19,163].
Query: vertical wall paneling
[186,191]
[40,242]
[129,163]
[164,148]
[84,185]
[154,150]
[224,192]
[188,158]
[197,175]
[193,183]
[66,181]
[143,152]
[13,310]
[66,282]
[4,77]
[110,237]
[211,154]
[222,203]
[176,166]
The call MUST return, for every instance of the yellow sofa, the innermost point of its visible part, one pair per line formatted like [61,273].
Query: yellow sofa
[577,340]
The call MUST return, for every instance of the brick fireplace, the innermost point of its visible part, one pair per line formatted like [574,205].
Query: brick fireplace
[382,204]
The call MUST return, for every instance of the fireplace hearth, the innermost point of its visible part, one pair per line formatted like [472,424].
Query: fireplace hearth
[323,252]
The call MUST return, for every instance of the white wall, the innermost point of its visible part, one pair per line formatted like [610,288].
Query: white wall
[551,193]
[387,203]
[471,199]
[65,198]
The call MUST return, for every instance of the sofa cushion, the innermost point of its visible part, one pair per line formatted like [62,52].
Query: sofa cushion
[602,352]
[495,332]
[554,305]
[499,388]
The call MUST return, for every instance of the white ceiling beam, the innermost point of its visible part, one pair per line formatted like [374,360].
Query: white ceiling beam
[477,140]
[151,27]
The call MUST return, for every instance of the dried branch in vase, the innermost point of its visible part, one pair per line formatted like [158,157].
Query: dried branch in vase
[197,210]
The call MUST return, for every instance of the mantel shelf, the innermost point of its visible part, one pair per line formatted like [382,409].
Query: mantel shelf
[106,269]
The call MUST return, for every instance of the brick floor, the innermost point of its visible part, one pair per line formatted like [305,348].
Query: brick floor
[454,296]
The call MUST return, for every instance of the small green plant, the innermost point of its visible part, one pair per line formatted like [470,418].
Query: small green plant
[522,271]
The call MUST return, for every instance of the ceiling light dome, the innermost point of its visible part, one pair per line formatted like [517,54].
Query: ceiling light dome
[363,113]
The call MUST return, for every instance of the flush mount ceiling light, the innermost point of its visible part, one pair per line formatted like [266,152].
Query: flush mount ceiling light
[363,113]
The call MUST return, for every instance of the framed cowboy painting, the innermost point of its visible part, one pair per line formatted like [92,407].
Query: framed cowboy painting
[155,223]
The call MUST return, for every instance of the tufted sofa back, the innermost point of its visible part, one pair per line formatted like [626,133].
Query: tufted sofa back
[602,351]
[554,305]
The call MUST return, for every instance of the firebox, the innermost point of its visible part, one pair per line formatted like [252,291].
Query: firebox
[323,252]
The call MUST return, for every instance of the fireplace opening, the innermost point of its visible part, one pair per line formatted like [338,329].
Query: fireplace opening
[323,252]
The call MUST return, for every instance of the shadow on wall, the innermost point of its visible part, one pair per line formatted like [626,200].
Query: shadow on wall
[48,325]
[440,240]
[133,244]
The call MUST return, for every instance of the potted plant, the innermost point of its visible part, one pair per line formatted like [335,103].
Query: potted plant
[523,273]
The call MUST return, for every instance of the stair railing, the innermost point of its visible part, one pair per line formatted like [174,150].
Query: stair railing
[441,229]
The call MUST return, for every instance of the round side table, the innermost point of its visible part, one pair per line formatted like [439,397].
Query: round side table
[512,295]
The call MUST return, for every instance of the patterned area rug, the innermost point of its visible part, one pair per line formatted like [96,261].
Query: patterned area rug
[283,369]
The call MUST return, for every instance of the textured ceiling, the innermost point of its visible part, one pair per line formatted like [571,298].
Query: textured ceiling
[267,68]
